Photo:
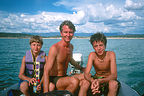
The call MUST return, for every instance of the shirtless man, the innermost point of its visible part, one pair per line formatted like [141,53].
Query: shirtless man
[104,63]
[60,54]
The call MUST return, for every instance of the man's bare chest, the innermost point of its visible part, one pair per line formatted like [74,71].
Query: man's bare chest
[64,55]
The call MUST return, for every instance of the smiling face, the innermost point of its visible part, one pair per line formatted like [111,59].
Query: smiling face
[99,47]
[35,47]
[67,33]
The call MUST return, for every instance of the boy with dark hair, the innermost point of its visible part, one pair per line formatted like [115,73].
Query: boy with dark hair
[104,63]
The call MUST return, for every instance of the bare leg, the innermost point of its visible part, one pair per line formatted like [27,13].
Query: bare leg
[79,76]
[24,88]
[51,87]
[113,87]
[68,83]
[84,85]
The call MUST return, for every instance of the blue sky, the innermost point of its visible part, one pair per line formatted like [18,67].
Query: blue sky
[89,16]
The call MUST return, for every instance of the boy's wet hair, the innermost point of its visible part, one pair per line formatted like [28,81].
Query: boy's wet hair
[98,37]
[37,39]
[69,24]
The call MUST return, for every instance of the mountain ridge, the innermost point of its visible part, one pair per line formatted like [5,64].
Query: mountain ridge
[57,34]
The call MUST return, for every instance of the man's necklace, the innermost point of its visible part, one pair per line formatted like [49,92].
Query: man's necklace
[101,59]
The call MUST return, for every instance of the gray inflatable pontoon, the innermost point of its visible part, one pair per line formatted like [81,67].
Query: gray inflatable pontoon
[124,90]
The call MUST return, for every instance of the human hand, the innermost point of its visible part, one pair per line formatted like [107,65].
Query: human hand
[32,81]
[95,86]
[39,87]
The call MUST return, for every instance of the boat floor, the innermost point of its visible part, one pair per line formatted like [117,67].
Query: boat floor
[124,90]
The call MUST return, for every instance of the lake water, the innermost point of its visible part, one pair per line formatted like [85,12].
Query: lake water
[129,56]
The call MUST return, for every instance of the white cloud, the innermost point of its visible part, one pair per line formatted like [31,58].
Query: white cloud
[139,4]
[127,24]
[42,22]
[128,15]
[90,27]
[78,18]
[88,16]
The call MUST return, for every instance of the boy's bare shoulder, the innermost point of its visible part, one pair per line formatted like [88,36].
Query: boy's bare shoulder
[110,53]
[92,54]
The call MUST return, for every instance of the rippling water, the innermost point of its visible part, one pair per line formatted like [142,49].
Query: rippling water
[129,53]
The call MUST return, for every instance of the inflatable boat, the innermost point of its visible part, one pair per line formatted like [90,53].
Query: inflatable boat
[124,90]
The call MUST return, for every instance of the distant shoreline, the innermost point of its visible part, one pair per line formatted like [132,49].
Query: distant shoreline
[73,38]
[78,36]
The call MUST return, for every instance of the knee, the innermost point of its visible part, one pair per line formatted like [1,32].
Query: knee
[74,81]
[84,84]
[113,84]
[51,87]
[24,86]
